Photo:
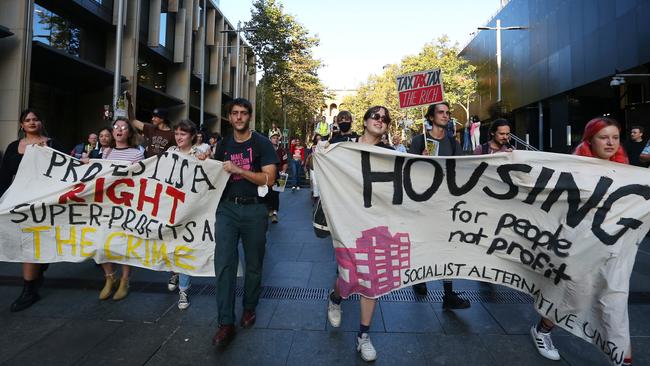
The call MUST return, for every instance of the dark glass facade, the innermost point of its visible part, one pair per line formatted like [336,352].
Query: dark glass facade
[563,62]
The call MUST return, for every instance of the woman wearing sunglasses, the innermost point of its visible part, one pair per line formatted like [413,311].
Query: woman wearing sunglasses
[375,124]
[125,149]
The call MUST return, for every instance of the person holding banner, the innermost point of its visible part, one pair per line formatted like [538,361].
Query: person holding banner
[124,136]
[602,140]
[375,122]
[186,137]
[250,159]
[499,139]
[437,142]
[32,127]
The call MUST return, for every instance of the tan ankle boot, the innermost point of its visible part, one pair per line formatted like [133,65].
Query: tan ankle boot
[109,286]
[123,290]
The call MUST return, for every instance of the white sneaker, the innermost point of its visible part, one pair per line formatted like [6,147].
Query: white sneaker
[365,347]
[333,312]
[172,284]
[298,187]
[544,344]
[183,300]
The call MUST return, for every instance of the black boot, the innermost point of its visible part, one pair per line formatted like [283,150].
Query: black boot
[41,277]
[27,298]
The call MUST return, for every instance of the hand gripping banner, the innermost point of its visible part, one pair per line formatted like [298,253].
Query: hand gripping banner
[564,229]
[156,214]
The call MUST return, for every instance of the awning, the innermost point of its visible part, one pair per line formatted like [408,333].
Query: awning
[55,67]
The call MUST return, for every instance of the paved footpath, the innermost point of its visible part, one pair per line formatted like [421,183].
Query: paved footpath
[69,326]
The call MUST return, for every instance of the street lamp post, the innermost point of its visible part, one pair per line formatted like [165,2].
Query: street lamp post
[117,76]
[203,38]
[499,28]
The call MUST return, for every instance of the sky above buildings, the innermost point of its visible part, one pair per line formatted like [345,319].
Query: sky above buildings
[359,37]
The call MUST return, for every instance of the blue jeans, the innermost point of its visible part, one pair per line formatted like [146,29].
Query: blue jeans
[296,168]
[184,281]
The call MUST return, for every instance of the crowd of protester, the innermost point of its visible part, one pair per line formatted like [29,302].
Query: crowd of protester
[246,208]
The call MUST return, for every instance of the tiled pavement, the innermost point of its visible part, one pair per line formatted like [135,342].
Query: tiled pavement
[69,326]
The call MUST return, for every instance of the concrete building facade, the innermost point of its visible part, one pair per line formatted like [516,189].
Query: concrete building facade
[60,59]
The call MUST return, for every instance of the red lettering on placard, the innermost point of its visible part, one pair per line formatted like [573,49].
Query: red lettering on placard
[125,197]
[72,194]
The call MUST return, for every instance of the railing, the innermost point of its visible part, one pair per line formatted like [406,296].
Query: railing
[519,142]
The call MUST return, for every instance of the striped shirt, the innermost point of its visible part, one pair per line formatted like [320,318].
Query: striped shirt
[130,154]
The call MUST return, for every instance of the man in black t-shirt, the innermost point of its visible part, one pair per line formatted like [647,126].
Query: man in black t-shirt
[438,143]
[242,213]
[634,146]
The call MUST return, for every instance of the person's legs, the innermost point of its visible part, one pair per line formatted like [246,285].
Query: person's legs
[110,281]
[451,300]
[298,173]
[273,199]
[364,345]
[334,300]
[184,282]
[32,279]
[293,178]
[226,259]
[123,288]
[541,334]
[253,233]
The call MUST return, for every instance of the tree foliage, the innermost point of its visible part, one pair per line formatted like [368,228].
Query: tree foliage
[458,78]
[290,87]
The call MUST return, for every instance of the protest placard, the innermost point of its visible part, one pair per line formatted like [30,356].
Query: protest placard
[156,214]
[564,229]
[420,88]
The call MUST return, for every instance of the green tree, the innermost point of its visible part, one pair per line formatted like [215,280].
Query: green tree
[457,75]
[290,83]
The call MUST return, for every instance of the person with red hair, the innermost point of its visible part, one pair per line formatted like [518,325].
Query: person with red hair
[601,140]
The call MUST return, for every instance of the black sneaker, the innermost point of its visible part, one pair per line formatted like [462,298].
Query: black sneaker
[27,298]
[453,301]
[420,289]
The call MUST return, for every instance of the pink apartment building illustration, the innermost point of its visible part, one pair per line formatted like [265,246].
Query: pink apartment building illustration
[374,266]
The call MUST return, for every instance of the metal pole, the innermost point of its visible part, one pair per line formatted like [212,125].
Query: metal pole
[498,60]
[540,126]
[117,77]
[237,58]
[202,45]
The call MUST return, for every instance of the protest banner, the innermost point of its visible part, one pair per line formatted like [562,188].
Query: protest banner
[156,214]
[564,229]
[420,88]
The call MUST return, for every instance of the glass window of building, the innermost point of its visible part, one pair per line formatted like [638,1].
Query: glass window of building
[152,73]
[56,31]
[105,3]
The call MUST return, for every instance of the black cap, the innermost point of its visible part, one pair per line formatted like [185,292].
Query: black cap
[160,113]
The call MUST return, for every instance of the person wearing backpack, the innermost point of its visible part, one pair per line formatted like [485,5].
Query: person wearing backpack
[438,143]
[499,139]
